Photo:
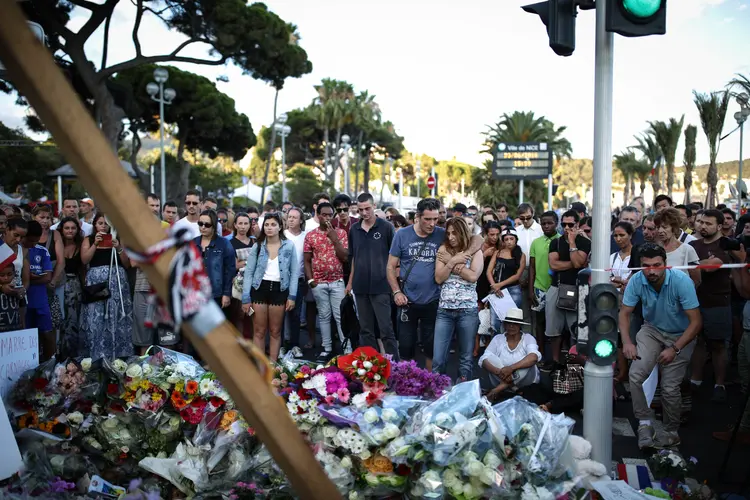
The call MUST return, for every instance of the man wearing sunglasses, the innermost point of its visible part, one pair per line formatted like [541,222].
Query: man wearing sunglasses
[342,220]
[567,255]
[193,212]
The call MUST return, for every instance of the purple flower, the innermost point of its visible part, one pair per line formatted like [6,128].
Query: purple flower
[60,485]
[135,484]
[408,379]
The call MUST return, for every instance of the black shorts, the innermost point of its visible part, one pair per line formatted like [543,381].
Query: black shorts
[269,293]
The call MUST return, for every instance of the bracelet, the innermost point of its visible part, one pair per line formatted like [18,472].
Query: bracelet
[310,281]
[396,292]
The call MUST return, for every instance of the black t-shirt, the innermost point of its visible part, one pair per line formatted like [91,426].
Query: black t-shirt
[561,246]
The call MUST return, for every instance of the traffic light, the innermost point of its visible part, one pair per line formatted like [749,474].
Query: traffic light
[637,17]
[560,18]
[602,322]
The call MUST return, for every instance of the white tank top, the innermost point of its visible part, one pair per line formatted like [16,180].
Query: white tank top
[18,267]
[273,273]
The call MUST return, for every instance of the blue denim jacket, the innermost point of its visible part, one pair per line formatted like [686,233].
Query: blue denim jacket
[256,264]
[220,264]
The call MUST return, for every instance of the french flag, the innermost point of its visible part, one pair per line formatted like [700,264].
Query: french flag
[7,256]
[635,475]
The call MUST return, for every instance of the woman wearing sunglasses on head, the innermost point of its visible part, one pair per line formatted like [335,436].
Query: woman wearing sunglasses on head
[218,258]
[270,284]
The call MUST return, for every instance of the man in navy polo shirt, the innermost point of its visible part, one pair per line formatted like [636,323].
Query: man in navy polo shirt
[369,243]
[671,321]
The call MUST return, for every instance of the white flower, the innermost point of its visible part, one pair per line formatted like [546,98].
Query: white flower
[173,379]
[491,460]
[86,364]
[319,367]
[318,382]
[355,363]
[75,418]
[443,419]
[488,476]
[148,370]
[389,415]
[134,371]
[371,416]
[95,409]
[361,371]
[119,366]
[206,386]
[364,454]
[329,432]
[474,468]
[367,365]
[391,431]
[346,463]
[376,377]
[360,400]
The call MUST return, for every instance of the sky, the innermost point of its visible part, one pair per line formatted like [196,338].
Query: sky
[443,70]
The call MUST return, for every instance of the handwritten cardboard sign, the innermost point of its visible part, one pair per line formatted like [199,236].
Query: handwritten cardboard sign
[19,351]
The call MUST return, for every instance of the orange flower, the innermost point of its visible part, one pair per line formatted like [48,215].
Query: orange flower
[227,419]
[378,464]
[191,387]
[177,401]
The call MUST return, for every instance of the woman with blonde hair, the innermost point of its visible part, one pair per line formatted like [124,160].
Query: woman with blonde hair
[457,308]
[668,224]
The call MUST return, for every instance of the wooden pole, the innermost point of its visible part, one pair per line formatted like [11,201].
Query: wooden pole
[33,71]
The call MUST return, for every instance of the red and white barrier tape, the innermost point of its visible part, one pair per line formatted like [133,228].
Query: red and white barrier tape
[679,268]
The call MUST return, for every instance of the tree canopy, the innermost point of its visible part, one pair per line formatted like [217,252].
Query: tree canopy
[248,35]
[21,165]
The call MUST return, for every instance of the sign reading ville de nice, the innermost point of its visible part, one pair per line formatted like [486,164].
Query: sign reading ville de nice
[521,160]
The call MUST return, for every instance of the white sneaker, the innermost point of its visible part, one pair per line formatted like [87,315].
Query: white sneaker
[297,352]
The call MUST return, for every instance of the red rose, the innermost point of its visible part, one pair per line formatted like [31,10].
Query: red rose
[403,470]
[375,368]
[113,389]
[40,383]
[371,398]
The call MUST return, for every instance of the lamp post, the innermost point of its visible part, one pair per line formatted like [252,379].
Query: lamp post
[283,130]
[163,96]
[741,117]
[345,146]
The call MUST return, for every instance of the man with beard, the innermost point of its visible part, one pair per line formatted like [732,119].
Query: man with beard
[714,297]
[667,337]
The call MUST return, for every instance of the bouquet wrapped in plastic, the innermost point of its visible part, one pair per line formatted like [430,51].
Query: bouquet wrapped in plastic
[539,438]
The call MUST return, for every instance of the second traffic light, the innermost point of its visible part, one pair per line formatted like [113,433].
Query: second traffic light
[637,17]
[560,18]
[603,308]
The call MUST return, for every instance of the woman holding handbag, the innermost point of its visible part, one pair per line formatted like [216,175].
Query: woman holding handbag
[242,243]
[107,311]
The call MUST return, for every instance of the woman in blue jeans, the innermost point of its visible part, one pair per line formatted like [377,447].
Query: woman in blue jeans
[457,309]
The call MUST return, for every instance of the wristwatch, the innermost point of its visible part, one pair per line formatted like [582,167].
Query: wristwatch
[573,249]
[676,350]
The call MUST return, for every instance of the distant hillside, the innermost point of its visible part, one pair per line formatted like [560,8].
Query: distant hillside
[727,170]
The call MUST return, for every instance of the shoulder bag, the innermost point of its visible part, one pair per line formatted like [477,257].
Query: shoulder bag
[98,291]
[567,295]
[402,281]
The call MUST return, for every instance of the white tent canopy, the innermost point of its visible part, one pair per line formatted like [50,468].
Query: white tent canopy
[7,200]
[250,191]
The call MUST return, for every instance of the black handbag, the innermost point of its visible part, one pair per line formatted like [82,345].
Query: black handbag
[95,293]
[567,297]
[98,291]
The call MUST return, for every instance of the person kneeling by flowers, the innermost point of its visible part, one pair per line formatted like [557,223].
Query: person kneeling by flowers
[511,359]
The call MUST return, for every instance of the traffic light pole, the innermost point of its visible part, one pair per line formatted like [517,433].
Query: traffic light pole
[597,415]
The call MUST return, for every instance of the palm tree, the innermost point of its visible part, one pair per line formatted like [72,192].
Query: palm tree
[712,109]
[691,131]
[667,136]
[332,110]
[624,163]
[741,81]
[651,151]
[642,170]
[365,117]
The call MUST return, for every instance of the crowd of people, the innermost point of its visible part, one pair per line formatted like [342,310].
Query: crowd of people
[415,286]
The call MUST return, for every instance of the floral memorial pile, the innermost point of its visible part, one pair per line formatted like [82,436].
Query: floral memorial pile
[160,426]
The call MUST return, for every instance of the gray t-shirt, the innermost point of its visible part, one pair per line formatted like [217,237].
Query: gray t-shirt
[420,286]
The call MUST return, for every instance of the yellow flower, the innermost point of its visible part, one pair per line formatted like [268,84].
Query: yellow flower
[156,396]
[144,384]
[299,375]
[179,387]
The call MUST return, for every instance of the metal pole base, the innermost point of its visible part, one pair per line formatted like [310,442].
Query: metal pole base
[597,411]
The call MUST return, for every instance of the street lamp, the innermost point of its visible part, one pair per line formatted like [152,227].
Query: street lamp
[163,96]
[741,117]
[283,130]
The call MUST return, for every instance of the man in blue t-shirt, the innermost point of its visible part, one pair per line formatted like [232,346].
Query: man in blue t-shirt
[414,290]
[672,320]
[40,272]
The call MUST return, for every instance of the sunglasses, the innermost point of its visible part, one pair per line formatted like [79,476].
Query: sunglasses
[223,221]
[192,203]
[207,225]
[587,231]
[471,214]
[568,224]
[526,218]
[342,210]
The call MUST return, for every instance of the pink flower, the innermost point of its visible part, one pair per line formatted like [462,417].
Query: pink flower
[343,395]
[305,370]
[330,399]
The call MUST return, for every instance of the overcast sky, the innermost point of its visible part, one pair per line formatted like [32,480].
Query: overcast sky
[442,70]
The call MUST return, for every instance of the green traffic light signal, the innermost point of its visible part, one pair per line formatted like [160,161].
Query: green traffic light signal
[604,348]
[642,8]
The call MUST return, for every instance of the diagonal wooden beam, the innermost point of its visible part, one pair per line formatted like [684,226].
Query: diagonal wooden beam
[35,74]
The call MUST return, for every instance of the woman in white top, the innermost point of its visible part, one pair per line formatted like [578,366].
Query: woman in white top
[295,232]
[511,359]
[619,261]
[668,222]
